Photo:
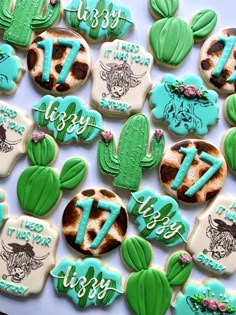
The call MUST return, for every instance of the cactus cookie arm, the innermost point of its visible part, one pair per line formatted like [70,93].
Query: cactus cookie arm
[157,148]
[203,23]
[51,16]
[108,163]
[5,16]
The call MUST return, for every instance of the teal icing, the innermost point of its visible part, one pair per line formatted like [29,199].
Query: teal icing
[47,46]
[13,288]
[73,124]
[229,43]
[210,263]
[212,289]
[86,205]
[2,214]
[110,282]
[114,16]
[182,114]
[10,67]
[170,228]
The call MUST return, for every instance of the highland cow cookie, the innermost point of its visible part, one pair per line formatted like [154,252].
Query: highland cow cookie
[20,18]
[213,240]
[59,61]
[15,129]
[193,171]
[92,284]
[217,61]
[95,221]
[170,38]
[27,249]
[185,105]
[99,19]
[121,78]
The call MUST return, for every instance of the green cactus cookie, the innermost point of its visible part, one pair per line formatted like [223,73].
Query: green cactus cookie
[148,290]
[132,156]
[228,146]
[39,187]
[18,21]
[171,38]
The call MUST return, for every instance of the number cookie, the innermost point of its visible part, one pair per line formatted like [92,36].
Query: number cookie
[39,187]
[213,240]
[170,38]
[95,221]
[92,283]
[59,61]
[121,78]
[193,171]
[217,61]
[185,105]
[27,249]
[99,19]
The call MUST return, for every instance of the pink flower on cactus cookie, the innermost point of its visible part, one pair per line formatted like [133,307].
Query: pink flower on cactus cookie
[106,136]
[158,134]
[185,259]
[54,1]
[38,136]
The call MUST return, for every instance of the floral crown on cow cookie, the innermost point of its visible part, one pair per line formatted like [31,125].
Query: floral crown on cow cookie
[187,91]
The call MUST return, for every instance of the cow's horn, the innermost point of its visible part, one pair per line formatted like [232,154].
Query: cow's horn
[211,223]
[138,76]
[106,68]
[42,257]
[6,248]
[13,142]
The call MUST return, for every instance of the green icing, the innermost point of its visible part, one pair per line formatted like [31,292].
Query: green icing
[148,290]
[230,149]
[164,8]
[131,157]
[203,23]
[26,16]
[231,108]
[39,186]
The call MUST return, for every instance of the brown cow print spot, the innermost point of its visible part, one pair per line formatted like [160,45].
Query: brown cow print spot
[92,234]
[95,211]
[31,59]
[82,48]
[79,70]
[168,173]
[37,39]
[88,192]
[203,146]
[58,68]
[183,144]
[181,195]
[220,81]
[46,85]
[107,193]
[216,49]
[206,64]
[109,245]
[58,51]
[211,194]
[63,87]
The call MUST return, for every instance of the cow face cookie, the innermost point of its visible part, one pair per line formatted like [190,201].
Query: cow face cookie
[15,129]
[39,187]
[99,19]
[121,78]
[213,240]
[208,298]
[59,61]
[27,249]
[95,221]
[185,105]
[193,171]
[217,61]
[92,282]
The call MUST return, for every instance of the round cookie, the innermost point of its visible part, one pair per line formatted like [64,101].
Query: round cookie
[228,147]
[229,109]
[184,104]
[193,171]
[217,61]
[59,61]
[95,221]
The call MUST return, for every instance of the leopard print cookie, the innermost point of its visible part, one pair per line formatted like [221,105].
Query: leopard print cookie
[95,221]
[59,61]
[193,171]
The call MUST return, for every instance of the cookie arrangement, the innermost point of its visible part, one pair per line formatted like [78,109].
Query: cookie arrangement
[122,164]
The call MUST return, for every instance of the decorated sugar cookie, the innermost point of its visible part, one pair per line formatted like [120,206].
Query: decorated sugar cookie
[27,249]
[95,221]
[3,207]
[158,217]
[92,282]
[132,154]
[185,105]
[59,61]
[68,119]
[20,18]
[213,240]
[15,129]
[148,289]
[39,187]
[217,61]
[170,38]
[99,19]
[11,70]
[208,298]
[229,109]
[228,145]
[193,171]
[121,78]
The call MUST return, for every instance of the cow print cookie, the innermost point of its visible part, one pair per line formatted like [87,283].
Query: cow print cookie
[95,221]
[193,171]
[213,240]
[121,78]
[27,249]
[185,105]
[217,61]
[59,61]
